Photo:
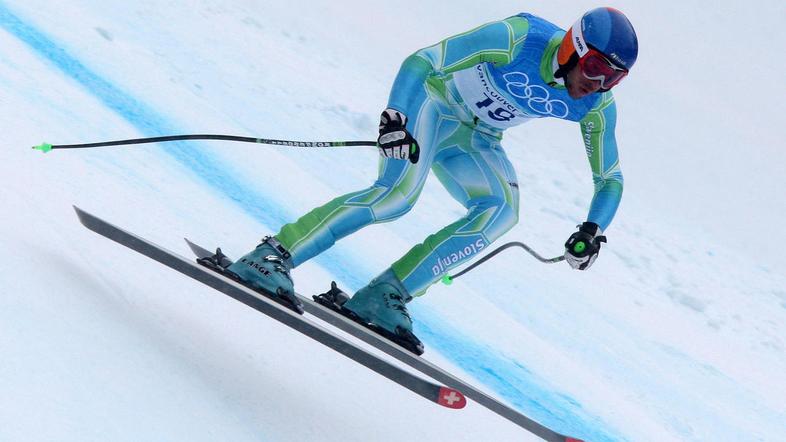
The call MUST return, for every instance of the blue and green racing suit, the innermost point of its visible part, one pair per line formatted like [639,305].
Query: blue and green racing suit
[460,95]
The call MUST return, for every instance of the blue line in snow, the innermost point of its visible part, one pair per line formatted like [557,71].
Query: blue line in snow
[511,380]
[144,118]
[506,377]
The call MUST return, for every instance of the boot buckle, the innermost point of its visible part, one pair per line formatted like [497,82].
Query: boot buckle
[277,245]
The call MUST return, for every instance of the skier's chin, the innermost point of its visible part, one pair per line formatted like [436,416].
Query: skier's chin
[574,91]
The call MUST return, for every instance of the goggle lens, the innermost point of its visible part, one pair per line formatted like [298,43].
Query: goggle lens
[595,66]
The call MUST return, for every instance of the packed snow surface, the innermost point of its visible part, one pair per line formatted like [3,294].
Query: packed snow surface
[677,333]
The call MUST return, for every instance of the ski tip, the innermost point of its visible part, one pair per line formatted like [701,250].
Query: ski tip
[89,220]
[194,248]
[198,250]
[81,214]
[451,398]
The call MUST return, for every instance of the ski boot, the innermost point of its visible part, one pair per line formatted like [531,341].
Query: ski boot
[266,269]
[379,306]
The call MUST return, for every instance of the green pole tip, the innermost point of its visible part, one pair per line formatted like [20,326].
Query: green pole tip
[447,280]
[43,147]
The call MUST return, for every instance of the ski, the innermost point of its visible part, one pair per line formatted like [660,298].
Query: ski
[407,357]
[444,396]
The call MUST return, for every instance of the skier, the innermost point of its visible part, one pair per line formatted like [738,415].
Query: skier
[448,108]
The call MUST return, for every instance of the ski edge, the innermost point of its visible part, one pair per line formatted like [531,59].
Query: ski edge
[438,394]
[418,363]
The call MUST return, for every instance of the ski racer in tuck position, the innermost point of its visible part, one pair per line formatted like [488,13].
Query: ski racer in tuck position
[448,108]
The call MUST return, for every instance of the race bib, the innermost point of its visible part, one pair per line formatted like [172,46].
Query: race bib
[520,102]
[484,99]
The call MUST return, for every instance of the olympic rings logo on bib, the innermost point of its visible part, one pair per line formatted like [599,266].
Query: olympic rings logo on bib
[537,96]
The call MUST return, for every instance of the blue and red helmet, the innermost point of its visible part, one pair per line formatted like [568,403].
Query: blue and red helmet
[604,31]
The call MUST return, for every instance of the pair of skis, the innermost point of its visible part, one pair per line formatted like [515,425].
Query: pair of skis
[451,394]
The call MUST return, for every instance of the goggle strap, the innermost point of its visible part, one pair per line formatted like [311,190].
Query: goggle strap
[578,39]
[611,63]
[563,70]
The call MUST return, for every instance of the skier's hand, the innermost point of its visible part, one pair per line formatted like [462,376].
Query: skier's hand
[582,248]
[394,140]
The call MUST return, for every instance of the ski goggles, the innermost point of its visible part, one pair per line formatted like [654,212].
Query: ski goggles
[594,66]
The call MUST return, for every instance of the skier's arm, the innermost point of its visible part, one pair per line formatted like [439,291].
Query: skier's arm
[597,130]
[496,42]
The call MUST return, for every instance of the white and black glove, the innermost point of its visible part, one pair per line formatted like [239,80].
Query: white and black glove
[394,140]
[582,248]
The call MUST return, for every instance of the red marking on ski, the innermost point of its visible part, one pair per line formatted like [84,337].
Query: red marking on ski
[451,398]
[572,439]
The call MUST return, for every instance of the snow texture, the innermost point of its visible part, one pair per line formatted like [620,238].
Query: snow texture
[677,333]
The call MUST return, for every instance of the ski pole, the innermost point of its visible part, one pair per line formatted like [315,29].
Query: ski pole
[46,147]
[448,279]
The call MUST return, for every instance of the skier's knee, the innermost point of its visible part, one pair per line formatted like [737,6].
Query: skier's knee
[505,216]
[393,205]
[508,217]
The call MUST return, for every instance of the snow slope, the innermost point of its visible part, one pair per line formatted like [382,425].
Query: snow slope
[677,333]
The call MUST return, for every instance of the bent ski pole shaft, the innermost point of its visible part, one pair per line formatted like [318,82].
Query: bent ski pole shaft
[448,279]
[46,147]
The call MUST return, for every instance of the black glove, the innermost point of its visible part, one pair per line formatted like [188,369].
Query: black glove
[394,140]
[582,248]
